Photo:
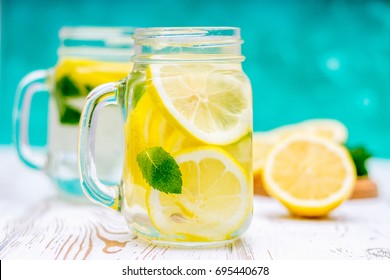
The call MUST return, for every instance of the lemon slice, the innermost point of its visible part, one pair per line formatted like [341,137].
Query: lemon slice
[209,104]
[149,128]
[146,127]
[215,200]
[137,137]
[309,175]
[92,72]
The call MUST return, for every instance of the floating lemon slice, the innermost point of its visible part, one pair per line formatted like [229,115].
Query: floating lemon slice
[309,175]
[92,72]
[209,104]
[215,199]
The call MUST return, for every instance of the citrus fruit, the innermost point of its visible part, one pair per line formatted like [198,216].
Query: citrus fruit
[92,73]
[210,105]
[215,199]
[310,175]
[264,141]
[327,128]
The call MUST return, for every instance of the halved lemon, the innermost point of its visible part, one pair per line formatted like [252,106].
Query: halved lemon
[215,200]
[210,104]
[309,175]
[327,128]
[263,142]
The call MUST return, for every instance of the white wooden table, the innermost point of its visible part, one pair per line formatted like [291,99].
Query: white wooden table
[37,224]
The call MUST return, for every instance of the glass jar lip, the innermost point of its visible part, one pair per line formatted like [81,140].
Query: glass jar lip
[97,42]
[96,32]
[202,35]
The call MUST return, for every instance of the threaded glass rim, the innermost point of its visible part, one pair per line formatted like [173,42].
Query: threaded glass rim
[97,42]
[188,36]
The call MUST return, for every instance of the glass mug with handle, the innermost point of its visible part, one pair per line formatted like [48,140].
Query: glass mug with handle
[187,106]
[87,57]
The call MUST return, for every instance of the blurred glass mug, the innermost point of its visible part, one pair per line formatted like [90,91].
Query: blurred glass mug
[87,57]
[188,138]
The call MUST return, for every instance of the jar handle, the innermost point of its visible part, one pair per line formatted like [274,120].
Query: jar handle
[97,191]
[32,83]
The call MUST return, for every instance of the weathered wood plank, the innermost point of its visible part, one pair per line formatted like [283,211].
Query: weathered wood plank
[56,230]
[35,224]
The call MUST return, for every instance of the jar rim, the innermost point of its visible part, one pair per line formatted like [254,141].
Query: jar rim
[95,32]
[97,42]
[203,35]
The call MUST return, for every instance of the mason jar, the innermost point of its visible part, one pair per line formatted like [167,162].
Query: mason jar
[87,57]
[187,106]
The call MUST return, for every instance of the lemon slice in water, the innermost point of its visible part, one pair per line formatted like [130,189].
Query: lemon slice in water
[215,200]
[209,104]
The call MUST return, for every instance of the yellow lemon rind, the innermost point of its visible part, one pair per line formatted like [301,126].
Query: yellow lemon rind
[303,207]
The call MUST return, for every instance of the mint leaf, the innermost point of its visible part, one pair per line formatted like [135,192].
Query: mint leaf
[160,170]
[66,87]
[138,92]
[69,115]
[138,85]
[359,156]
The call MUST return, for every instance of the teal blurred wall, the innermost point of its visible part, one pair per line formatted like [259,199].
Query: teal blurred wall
[306,59]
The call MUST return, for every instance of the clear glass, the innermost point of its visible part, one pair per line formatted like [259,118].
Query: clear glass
[87,57]
[189,100]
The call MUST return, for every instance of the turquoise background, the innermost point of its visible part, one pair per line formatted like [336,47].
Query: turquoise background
[305,59]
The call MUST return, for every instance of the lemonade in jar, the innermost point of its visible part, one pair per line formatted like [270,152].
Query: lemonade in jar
[187,175]
[87,57]
[74,78]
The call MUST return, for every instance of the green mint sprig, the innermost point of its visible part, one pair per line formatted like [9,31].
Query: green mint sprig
[69,115]
[67,87]
[160,170]
[138,85]
[359,156]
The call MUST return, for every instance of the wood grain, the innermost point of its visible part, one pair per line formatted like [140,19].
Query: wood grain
[58,230]
[37,224]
